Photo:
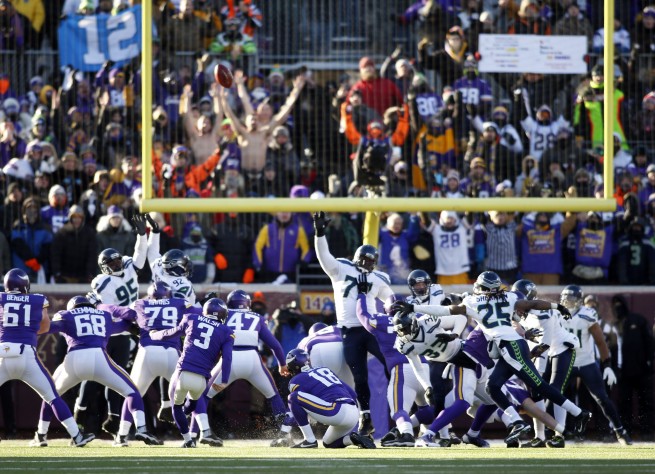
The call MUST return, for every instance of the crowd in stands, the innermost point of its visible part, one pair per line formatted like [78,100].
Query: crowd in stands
[424,122]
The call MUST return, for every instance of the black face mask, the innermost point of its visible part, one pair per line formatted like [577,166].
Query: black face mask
[196,239]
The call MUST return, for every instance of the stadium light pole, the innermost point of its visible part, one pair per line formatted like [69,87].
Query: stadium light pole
[609,112]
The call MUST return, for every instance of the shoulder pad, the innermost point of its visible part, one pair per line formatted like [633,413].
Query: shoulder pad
[588,315]
[346,261]
[383,276]
[127,262]
[99,284]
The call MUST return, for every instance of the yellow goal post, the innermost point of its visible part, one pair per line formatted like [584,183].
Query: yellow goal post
[383,204]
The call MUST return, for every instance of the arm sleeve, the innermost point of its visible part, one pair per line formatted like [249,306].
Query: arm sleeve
[362,313]
[420,371]
[226,354]
[267,337]
[153,248]
[456,323]
[160,335]
[434,310]
[329,264]
[118,327]
[140,252]
[57,326]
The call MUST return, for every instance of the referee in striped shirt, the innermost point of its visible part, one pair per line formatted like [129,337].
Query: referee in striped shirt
[500,233]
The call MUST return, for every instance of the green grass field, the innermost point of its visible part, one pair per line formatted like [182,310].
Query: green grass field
[249,456]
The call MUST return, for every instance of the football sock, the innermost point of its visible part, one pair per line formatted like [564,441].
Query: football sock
[559,429]
[42,427]
[71,426]
[277,405]
[308,433]
[203,421]
[124,428]
[481,416]
[404,426]
[448,415]
[559,414]
[571,407]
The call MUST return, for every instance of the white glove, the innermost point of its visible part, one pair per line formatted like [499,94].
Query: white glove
[608,376]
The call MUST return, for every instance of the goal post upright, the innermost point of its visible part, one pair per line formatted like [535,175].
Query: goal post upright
[146,101]
[608,96]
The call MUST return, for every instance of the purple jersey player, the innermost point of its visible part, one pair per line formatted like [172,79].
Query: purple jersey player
[249,329]
[206,338]
[22,318]
[87,330]
[319,394]
[404,388]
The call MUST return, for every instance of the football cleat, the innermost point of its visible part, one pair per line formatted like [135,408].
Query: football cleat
[454,439]
[475,441]
[365,425]
[513,444]
[390,437]
[165,415]
[427,441]
[189,444]
[111,425]
[211,439]
[143,435]
[283,442]
[362,441]
[306,444]
[581,422]
[534,443]
[120,442]
[82,439]
[556,441]
[516,430]
[405,440]
[623,437]
[39,441]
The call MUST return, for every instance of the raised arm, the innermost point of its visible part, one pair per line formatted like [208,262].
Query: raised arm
[45,325]
[236,123]
[329,264]
[242,92]
[285,110]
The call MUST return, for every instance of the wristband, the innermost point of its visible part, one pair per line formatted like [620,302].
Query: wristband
[606,363]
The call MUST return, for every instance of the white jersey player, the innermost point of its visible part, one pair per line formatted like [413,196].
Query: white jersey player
[493,308]
[584,324]
[543,131]
[452,239]
[357,341]
[423,290]
[118,283]
[173,268]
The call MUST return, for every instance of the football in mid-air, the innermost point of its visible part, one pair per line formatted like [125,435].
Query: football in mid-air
[223,75]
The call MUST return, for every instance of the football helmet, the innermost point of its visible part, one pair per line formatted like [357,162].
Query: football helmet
[526,288]
[571,297]
[298,361]
[79,302]
[16,281]
[159,290]
[215,308]
[110,262]
[175,263]
[316,327]
[419,282]
[366,258]
[487,283]
[238,299]
[405,325]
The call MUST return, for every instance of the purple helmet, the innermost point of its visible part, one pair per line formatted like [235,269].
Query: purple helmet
[79,302]
[215,308]
[238,299]
[159,290]
[316,327]
[297,359]
[16,280]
